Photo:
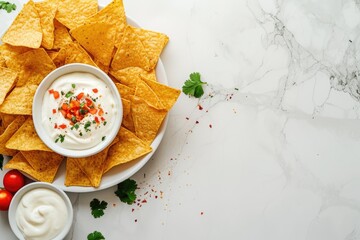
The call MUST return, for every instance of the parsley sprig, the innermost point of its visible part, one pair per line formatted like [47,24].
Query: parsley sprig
[126,191]
[95,236]
[9,7]
[193,86]
[97,207]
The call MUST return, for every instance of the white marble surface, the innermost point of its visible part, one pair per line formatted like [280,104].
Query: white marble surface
[275,152]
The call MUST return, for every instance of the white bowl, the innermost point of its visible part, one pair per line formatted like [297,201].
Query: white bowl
[38,102]
[36,185]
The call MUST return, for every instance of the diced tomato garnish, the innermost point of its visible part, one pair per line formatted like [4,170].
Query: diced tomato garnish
[51,91]
[95,90]
[62,126]
[56,94]
[63,112]
[69,115]
[80,96]
[54,111]
[55,126]
[89,102]
[64,107]
[101,112]
[97,120]
[93,110]
[102,119]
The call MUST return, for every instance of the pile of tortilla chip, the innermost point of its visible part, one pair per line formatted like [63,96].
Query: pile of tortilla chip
[49,34]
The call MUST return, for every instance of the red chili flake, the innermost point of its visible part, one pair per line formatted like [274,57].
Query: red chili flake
[169,173]
[114,204]
[210,126]
[197,122]
[144,201]
[146,193]
[62,126]
[132,210]
[95,90]
[202,213]
[187,118]
[55,126]
[102,119]
[156,197]
[135,220]
[54,111]
[200,107]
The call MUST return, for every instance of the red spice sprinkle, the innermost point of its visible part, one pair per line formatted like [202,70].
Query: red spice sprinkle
[55,126]
[95,90]
[197,122]
[132,210]
[114,204]
[54,110]
[144,201]
[62,126]
[210,125]
[169,173]
[187,118]
[156,197]
[135,220]
[146,193]
[200,107]
[202,213]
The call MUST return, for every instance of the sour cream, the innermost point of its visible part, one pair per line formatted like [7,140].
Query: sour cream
[41,214]
[78,111]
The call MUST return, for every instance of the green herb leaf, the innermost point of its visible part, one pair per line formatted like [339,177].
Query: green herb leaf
[1,161]
[126,191]
[95,236]
[103,138]
[97,207]
[193,86]
[87,125]
[9,7]
[69,94]
[61,138]
[73,85]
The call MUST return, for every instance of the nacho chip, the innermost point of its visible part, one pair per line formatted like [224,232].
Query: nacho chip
[125,91]
[145,92]
[131,75]
[166,94]
[7,119]
[93,166]
[74,175]
[127,149]
[147,119]
[43,161]
[26,139]
[8,52]
[73,53]
[7,81]
[130,53]
[61,36]
[26,29]
[32,66]
[47,10]
[154,44]
[8,133]
[126,106]
[127,120]
[19,101]
[104,68]
[74,13]
[98,39]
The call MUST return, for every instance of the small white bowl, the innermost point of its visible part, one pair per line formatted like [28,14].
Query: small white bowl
[38,102]
[36,185]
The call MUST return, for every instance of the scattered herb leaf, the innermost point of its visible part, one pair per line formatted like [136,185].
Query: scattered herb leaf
[1,161]
[97,207]
[193,86]
[87,125]
[103,138]
[95,236]
[7,6]
[73,85]
[61,138]
[69,94]
[126,191]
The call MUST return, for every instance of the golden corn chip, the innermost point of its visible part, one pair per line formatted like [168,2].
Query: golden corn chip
[130,53]
[32,66]
[74,175]
[43,161]
[19,101]
[73,53]
[131,75]
[26,29]
[98,39]
[128,148]
[8,52]
[61,36]
[147,119]
[74,13]
[146,93]
[127,120]
[126,106]
[20,163]
[47,10]
[166,94]
[93,166]
[114,14]
[8,133]
[125,91]
[154,44]
[26,139]
[106,69]
[7,81]
[7,119]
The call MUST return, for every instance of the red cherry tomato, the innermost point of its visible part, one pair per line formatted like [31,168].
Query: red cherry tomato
[13,180]
[5,199]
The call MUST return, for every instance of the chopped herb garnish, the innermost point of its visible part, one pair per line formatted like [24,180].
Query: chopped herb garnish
[80,134]
[7,6]
[76,126]
[103,138]
[73,119]
[69,94]
[95,236]
[82,111]
[82,104]
[105,123]
[193,86]
[94,122]
[236,89]
[87,125]
[97,207]
[73,85]
[61,138]
[62,93]
[1,161]
[126,191]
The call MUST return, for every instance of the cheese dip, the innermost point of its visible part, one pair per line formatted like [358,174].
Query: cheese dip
[78,111]
[41,214]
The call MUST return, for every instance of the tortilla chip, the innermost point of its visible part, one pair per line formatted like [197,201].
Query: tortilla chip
[8,52]
[145,92]
[73,53]
[127,149]
[130,53]
[43,161]
[26,29]
[147,119]
[104,68]
[130,76]
[74,13]
[166,94]
[32,66]
[7,119]
[8,133]
[154,44]
[126,106]
[93,166]
[2,61]
[74,175]
[61,36]
[127,120]
[98,39]
[7,81]
[125,91]
[26,139]
[19,101]
[47,10]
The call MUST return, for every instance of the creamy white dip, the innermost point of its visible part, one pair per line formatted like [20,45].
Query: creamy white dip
[41,214]
[86,129]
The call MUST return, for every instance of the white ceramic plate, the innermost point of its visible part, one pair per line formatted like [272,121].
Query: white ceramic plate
[121,172]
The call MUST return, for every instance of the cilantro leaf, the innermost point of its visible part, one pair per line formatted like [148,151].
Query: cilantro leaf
[95,236]
[193,86]
[126,191]
[7,6]
[97,207]
[1,161]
